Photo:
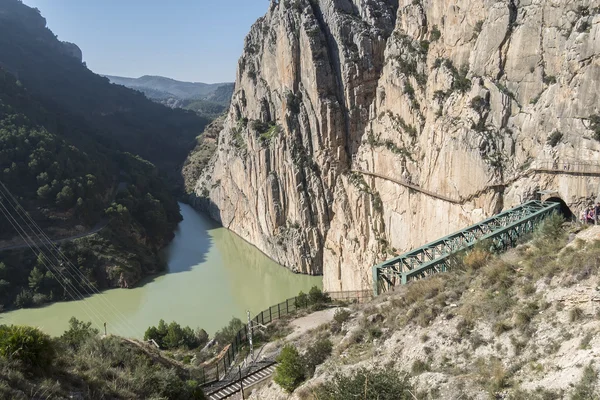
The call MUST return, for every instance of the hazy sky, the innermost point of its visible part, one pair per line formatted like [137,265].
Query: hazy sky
[190,40]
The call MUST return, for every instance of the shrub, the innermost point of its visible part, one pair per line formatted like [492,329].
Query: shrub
[28,345]
[554,138]
[302,300]
[595,125]
[227,334]
[586,388]
[316,355]
[418,367]
[575,314]
[173,336]
[316,296]
[476,258]
[290,372]
[78,333]
[435,33]
[341,315]
[366,384]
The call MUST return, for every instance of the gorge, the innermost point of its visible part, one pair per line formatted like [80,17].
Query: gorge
[462,98]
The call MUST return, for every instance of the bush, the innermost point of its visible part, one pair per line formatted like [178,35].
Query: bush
[173,336]
[28,345]
[554,138]
[341,315]
[366,384]
[316,355]
[78,333]
[228,333]
[316,296]
[418,367]
[290,372]
[302,300]
[586,388]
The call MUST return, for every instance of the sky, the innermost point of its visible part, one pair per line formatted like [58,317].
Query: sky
[188,40]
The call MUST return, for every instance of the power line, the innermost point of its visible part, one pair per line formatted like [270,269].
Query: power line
[62,258]
[65,283]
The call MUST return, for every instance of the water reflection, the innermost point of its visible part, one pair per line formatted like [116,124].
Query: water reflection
[213,275]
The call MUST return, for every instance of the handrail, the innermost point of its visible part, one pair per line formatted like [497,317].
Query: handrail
[504,228]
[410,186]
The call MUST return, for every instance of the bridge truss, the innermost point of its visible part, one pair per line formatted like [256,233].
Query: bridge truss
[502,231]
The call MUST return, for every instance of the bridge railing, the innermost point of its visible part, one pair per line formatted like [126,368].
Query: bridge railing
[568,166]
[503,230]
[213,372]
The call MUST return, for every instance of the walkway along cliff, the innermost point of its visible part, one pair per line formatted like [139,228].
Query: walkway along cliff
[461,99]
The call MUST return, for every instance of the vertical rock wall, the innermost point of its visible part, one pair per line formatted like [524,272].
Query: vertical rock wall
[461,98]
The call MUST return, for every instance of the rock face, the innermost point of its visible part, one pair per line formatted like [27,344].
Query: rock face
[71,49]
[464,99]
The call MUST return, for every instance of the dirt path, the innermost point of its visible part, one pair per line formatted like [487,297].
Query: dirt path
[311,321]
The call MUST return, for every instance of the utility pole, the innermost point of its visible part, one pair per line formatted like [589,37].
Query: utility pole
[250,330]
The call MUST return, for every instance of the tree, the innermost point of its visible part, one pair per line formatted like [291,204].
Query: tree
[43,192]
[366,384]
[227,334]
[36,279]
[65,197]
[78,333]
[290,372]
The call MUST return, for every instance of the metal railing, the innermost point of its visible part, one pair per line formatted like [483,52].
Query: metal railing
[566,166]
[215,371]
[503,230]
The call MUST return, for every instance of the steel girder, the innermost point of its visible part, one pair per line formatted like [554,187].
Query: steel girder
[502,231]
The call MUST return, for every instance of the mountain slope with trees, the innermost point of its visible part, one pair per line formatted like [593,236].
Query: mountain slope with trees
[73,152]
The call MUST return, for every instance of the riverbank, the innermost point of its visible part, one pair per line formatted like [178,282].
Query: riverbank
[212,275]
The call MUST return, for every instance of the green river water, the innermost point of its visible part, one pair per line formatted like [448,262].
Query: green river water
[213,275]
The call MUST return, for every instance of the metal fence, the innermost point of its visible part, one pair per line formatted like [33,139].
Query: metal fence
[213,372]
[568,166]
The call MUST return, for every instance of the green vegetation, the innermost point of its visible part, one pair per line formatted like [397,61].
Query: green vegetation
[64,137]
[81,362]
[26,345]
[435,34]
[595,125]
[227,334]
[554,138]
[477,29]
[173,336]
[289,373]
[381,384]
[293,368]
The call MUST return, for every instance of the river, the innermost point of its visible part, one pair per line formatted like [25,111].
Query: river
[213,275]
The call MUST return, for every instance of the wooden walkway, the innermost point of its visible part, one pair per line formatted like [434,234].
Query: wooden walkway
[411,186]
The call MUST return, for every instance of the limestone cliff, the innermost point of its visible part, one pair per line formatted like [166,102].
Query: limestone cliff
[462,98]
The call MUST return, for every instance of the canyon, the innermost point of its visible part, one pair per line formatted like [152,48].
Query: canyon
[466,99]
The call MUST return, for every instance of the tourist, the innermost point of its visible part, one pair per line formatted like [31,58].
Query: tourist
[583,216]
[596,213]
[590,215]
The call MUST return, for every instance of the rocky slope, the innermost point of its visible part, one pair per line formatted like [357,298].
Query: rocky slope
[462,98]
[520,326]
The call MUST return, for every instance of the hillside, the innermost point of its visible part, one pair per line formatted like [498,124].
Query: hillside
[466,100]
[209,100]
[123,119]
[521,325]
[71,152]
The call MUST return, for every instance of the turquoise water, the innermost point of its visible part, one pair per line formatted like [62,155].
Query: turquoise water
[213,275]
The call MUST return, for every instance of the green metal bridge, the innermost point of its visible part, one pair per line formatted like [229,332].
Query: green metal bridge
[502,231]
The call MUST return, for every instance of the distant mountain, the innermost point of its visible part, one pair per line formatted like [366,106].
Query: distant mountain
[207,99]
